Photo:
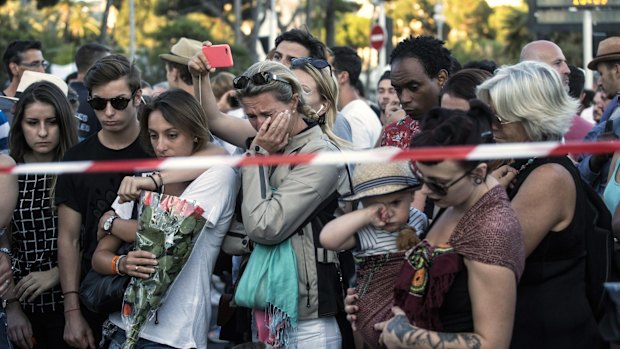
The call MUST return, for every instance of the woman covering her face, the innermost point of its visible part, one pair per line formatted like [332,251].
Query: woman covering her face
[279,200]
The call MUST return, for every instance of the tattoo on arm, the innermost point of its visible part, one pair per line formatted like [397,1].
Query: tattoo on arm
[411,336]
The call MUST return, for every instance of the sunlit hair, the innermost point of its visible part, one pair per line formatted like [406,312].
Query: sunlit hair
[531,93]
[283,92]
[183,111]
[48,93]
[328,90]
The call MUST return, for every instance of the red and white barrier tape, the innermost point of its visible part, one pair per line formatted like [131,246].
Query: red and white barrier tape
[478,152]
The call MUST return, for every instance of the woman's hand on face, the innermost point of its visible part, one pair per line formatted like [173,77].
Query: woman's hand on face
[198,65]
[273,133]
[35,283]
[350,307]
[505,175]
[139,264]
[132,186]
[394,329]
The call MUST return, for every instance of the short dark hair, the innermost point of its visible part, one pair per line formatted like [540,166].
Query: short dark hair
[110,68]
[443,127]
[385,76]
[184,73]
[484,64]
[576,81]
[346,59]
[14,51]
[431,53]
[88,54]
[315,46]
[463,83]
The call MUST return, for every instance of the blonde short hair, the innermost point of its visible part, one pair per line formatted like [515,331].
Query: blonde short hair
[531,93]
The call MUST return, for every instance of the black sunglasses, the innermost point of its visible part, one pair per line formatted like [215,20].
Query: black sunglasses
[437,188]
[315,62]
[118,103]
[258,79]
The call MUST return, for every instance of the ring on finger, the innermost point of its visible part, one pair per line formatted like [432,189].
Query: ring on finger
[137,267]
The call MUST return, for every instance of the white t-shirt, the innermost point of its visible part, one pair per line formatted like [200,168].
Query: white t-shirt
[184,317]
[372,241]
[365,125]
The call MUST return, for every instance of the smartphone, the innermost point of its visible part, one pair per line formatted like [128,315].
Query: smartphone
[219,56]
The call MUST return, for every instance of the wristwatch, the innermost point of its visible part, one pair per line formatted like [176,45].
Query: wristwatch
[107,225]
[6,302]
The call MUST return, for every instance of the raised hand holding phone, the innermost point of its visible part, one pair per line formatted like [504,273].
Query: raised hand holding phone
[219,56]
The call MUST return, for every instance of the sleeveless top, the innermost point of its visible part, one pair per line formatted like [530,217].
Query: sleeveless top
[611,196]
[552,308]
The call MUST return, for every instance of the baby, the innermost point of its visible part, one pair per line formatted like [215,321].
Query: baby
[378,234]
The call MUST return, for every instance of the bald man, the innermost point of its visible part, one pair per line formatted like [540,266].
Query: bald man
[547,52]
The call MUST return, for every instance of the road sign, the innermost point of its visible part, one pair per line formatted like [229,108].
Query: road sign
[377,37]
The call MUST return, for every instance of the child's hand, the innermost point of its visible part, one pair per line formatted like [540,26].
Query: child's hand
[378,215]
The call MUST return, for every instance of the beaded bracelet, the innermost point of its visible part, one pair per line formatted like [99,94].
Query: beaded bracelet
[118,264]
[115,264]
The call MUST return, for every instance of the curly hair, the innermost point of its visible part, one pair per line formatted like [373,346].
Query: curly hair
[431,53]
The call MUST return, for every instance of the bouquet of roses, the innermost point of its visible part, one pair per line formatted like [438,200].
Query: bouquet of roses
[167,227]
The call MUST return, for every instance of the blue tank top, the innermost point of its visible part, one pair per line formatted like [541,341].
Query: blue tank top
[611,195]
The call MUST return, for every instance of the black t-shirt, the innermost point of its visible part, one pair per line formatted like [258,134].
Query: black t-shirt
[92,194]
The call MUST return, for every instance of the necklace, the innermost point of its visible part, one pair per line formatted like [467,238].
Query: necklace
[526,164]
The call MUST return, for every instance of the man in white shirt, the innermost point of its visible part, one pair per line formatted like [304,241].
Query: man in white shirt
[365,125]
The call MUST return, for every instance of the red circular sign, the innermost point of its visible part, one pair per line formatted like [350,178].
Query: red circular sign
[377,37]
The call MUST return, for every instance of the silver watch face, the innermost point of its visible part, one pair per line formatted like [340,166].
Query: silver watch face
[106,225]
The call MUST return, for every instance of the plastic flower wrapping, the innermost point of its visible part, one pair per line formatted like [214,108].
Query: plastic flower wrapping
[167,227]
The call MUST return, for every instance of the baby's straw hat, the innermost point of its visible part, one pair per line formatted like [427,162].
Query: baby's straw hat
[381,178]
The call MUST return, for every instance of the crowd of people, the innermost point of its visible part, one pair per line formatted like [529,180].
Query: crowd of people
[414,254]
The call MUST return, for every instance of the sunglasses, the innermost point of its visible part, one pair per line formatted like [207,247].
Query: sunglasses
[118,103]
[36,64]
[258,79]
[498,120]
[315,62]
[437,188]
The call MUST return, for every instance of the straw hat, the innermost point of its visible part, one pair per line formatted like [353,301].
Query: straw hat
[608,50]
[380,179]
[182,51]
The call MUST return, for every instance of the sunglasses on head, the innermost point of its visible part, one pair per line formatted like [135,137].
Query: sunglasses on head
[315,62]
[118,103]
[437,188]
[258,79]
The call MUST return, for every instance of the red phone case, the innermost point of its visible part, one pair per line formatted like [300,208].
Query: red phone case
[219,56]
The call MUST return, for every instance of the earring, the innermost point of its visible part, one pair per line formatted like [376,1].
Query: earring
[477,180]
[195,139]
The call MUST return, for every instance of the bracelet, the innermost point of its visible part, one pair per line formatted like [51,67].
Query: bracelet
[117,266]
[72,309]
[6,251]
[161,180]
[154,182]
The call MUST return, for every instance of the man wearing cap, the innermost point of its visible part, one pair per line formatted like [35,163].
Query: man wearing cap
[595,168]
[177,73]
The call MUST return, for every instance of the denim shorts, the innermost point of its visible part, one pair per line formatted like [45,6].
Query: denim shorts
[118,338]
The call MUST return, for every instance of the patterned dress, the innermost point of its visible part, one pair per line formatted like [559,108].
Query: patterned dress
[399,133]
[35,238]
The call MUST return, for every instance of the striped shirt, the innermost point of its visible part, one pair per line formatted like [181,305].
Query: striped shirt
[372,241]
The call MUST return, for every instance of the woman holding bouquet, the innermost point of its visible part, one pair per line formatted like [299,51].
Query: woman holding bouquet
[173,124]
[281,207]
